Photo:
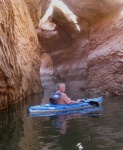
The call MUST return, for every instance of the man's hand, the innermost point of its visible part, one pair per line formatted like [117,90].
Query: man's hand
[78,100]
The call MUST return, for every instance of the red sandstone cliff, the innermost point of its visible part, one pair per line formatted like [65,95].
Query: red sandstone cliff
[82,47]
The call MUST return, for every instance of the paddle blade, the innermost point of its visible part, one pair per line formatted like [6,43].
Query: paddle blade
[96,104]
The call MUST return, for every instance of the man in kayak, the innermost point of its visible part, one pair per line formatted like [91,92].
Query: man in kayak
[64,99]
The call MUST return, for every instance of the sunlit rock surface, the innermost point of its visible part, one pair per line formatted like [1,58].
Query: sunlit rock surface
[92,11]
[19,53]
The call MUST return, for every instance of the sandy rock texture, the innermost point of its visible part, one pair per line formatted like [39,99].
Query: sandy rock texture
[37,9]
[105,58]
[19,53]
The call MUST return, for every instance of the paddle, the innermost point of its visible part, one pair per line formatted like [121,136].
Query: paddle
[93,103]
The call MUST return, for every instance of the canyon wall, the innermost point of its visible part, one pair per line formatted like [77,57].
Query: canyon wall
[19,53]
[81,47]
[89,60]
[105,58]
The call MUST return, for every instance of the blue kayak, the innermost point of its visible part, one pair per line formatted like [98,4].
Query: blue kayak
[92,111]
[53,108]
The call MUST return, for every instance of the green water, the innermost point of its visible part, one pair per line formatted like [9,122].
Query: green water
[102,130]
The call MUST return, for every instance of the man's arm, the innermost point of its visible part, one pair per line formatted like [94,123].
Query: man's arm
[67,99]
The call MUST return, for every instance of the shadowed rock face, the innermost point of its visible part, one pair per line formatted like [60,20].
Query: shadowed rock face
[19,54]
[90,59]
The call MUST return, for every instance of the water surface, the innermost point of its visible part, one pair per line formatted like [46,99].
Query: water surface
[96,130]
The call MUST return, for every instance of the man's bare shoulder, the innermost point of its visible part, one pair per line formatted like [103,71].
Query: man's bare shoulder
[63,94]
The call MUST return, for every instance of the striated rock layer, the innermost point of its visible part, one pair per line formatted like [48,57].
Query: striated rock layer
[19,53]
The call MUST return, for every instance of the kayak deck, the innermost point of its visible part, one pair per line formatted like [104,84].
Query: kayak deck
[68,112]
[50,108]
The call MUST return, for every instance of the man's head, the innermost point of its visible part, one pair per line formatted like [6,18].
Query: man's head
[61,87]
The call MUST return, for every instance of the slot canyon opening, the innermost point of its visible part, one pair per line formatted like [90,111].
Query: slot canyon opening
[78,40]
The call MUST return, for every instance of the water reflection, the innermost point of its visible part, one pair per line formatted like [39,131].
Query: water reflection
[92,130]
[60,121]
[79,145]
[11,129]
